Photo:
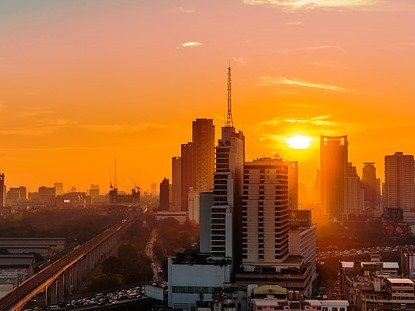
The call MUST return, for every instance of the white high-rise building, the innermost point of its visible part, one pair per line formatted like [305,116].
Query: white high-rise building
[265,212]
[225,213]
[399,181]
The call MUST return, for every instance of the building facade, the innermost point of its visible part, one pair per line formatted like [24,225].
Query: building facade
[333,176]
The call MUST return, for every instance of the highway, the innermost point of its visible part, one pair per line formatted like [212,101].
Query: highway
[21,295]
[155,264]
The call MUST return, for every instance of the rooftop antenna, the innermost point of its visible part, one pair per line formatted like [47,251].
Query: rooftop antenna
[229,121]
[115,173]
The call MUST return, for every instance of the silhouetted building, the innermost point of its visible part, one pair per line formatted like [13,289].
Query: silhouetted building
[176,183]
[187,173]
[399,181]
[46,195]
[164,195]
[371,185]
[15,195]
[265,212]
[94,193]
[333,170]
[354,191]
[203,137]
[58,188]
[292,184]
[206,203]
[2,190]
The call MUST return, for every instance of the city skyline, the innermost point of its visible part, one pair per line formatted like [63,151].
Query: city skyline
[81,84]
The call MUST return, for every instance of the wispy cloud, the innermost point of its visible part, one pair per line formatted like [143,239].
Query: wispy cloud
[239,60]
[314,48]
[191,44]
[271,80]
[295,23]
[328,65]
[118,128]
[187,10]
[323,120]
[312,4]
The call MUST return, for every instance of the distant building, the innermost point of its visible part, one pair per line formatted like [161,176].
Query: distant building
[94,193]
[203,137]
[59,188]
[16,195]
[176,183]
[194,205]
[187,173]
[46,195]
[333,170]
[164,195]
[399,181]
[2,190]
[371,185]
[292,184]
[355,194]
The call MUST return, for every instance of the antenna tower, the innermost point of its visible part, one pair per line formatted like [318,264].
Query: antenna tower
[229,121]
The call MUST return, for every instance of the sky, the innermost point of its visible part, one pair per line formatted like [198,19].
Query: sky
[83,82]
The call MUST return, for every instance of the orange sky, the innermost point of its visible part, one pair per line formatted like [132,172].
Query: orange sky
[83,82]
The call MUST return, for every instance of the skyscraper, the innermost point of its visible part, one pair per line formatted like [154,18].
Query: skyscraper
[176,183]
[265,212]
[226,217]
[333,170]
[292,184]
[187,173]
[2,190]
[164,195]
[354,191]
[203,136]
[371,185]
[399,181]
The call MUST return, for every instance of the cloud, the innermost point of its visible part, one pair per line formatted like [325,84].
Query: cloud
[191,44]
[296,23]
[323,120]
[314,48]
[118,128]
[187,10]
[239,60]
[312,4]
[330,65]
[270,81]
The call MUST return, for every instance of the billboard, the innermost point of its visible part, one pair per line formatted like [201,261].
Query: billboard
[299,218]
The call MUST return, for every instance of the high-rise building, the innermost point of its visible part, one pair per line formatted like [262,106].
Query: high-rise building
[226,216]
[265,212]
[371,185]
[399,181]
[187,173]
[194,205]
[164,195]
[292,184]
[333,178]
[206,203]
[2,190]
[354,191]
[176,183]
[58,188]
[16,194]
[203,136]
[226,211]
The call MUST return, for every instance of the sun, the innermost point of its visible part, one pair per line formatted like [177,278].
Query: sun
[299,141]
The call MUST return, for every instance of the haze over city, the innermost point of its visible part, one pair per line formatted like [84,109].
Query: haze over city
[84,82]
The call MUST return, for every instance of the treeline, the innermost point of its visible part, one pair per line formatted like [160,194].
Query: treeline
[77,226]
[129,265]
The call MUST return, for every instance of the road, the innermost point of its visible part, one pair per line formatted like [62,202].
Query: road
[18,297]
[155,264]
[321,256]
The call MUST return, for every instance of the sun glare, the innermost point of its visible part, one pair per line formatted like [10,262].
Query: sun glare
[299,142]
